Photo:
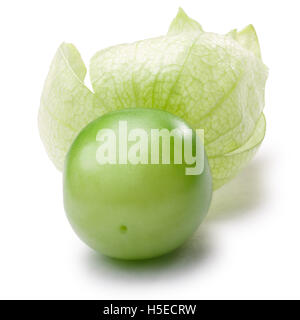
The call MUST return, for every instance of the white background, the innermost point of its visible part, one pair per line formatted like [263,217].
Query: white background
[248,246]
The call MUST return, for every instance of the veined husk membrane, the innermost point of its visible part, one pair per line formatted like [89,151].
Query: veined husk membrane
[214,82]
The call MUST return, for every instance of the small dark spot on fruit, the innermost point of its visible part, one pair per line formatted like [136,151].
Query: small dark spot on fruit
[123,229]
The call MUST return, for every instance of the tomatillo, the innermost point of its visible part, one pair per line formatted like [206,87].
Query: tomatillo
[136,185]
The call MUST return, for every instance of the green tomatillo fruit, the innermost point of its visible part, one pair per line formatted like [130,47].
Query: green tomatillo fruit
[136,183]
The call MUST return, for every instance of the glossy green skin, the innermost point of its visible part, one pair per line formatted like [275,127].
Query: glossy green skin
[132,211]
